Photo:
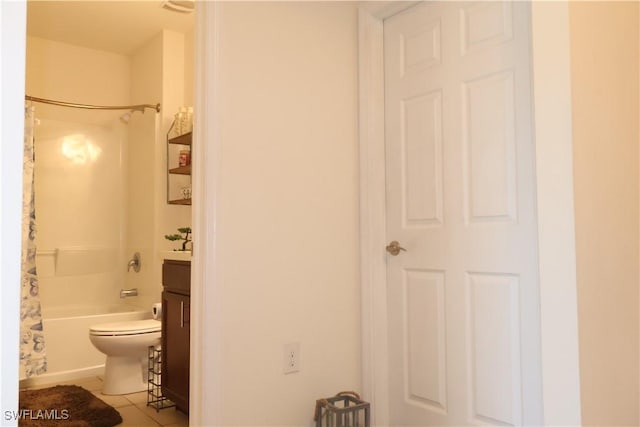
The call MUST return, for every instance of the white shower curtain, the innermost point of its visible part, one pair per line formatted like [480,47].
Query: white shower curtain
[32,355]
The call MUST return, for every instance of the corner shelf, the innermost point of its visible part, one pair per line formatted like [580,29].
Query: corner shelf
[179,202]
[184,139]
[181,170]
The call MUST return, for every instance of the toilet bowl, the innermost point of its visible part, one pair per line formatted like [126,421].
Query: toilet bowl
[126,345]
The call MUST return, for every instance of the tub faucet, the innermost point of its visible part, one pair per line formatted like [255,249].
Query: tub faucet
[134,262]
[128,293]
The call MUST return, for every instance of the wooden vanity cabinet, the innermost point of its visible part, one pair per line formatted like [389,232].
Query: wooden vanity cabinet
[176,320]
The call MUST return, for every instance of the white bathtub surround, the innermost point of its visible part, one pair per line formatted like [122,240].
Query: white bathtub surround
[80,199]
[76,261]
[70,354]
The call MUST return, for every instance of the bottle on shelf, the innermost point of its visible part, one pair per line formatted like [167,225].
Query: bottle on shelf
[185,158]
[188,120]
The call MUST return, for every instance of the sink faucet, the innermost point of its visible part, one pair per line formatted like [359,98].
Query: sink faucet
[134,262]
[128,293]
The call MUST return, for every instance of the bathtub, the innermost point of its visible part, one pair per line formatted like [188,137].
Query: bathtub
[70,354]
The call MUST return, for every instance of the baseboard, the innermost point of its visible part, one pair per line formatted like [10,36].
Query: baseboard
[64,376]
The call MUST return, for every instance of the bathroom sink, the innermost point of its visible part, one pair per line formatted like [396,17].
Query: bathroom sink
[176,255]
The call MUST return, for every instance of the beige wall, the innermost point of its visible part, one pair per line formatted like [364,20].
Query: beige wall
[189,63]
[146,87]
[604,61]
[72,73]
[157,75]
[287,219]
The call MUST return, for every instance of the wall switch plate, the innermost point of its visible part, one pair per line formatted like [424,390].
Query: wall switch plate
[291,358]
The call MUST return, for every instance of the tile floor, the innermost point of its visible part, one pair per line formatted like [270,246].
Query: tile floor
[132,407]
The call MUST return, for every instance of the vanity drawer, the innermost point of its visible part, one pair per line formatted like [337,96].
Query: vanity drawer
[176,276]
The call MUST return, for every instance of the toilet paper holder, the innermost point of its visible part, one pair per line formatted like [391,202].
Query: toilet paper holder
[156,311]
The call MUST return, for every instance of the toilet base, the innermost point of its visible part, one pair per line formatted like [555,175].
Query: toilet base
[124,375]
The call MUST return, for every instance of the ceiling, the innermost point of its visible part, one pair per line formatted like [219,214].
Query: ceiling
[114,26]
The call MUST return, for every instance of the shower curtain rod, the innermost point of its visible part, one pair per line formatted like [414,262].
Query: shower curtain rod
[140,107]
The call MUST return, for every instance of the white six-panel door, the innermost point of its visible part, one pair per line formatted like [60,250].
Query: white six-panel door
[463,300]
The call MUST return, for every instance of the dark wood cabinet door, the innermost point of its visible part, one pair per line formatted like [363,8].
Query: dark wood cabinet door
[175,348]
[176,276]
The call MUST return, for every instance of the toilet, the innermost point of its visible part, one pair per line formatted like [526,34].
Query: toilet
[126,345]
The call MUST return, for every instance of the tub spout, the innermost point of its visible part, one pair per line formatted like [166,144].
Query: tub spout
[128,293]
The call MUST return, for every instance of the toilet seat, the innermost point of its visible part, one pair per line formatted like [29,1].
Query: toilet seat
[132,327]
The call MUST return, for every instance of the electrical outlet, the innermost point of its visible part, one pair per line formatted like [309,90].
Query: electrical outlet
[291,358]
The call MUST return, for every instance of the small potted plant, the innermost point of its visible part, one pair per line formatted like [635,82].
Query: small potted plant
[184,236]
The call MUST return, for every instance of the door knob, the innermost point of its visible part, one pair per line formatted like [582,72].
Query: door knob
[394,248]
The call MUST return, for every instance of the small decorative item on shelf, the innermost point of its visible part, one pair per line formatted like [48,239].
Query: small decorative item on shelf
[186,192]
[185,239]
[344,409]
